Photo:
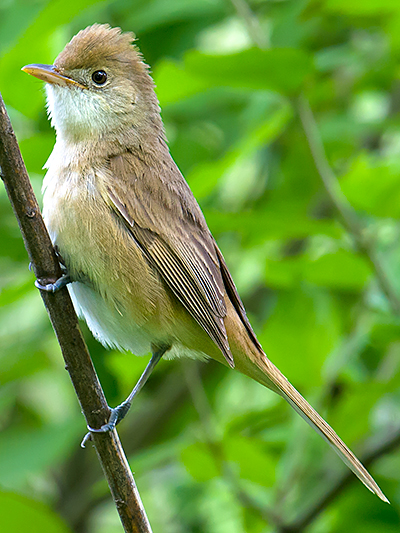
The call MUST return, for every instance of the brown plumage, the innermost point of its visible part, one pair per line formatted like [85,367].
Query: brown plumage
[148,271]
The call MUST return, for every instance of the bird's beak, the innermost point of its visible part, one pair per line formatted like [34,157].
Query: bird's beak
[50,74]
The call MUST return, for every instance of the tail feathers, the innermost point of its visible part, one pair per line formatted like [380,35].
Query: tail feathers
[310,415]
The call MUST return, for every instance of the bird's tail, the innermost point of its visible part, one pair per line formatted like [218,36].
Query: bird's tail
[260,368]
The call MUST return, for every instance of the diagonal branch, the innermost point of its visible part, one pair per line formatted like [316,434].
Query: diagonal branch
[63,318]
[339,200]
[329,179]
[388,444]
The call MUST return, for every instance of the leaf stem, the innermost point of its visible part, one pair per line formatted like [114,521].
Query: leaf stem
[252,23]
[348,214]
[388,444]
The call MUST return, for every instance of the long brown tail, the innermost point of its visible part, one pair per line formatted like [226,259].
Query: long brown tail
[260,368]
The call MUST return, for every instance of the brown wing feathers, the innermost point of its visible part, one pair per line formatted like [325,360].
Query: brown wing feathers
[185,262]
[185,284]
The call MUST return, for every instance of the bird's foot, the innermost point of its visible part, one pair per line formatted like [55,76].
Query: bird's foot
[56,286]
[117,414]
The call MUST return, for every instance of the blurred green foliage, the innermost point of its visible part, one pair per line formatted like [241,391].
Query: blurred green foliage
[212,451]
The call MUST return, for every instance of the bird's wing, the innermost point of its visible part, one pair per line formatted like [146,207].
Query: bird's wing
[234,297]
[168,226]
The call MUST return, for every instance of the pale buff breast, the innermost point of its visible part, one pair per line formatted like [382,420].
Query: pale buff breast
[120,295]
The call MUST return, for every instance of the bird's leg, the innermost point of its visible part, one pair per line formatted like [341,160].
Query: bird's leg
[61,282]
[119,412]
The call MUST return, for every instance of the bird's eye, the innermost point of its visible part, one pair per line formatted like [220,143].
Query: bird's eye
[99,77]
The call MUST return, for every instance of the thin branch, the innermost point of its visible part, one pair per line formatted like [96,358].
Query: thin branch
[348,214]
[63,318]
[253,26]
[199,397]
[196,389]
[150,417]
[328,177]
[297,526]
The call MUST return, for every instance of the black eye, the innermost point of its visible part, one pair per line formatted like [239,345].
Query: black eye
[99,77]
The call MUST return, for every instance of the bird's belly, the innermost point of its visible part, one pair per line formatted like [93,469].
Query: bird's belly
[112,327]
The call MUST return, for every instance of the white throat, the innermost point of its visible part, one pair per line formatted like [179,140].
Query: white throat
[82,114]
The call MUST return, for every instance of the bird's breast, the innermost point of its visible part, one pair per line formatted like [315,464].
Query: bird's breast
[119,293]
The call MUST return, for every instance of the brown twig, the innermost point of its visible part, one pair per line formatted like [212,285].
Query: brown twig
[150,417]
[339,200]
[63,318]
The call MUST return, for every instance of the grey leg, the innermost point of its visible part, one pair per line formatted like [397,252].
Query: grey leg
[119,412]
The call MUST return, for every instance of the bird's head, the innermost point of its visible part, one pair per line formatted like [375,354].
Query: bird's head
[99,86]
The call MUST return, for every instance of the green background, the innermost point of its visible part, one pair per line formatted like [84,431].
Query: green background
[212,451]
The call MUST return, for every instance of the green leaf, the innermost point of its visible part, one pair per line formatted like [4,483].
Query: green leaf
[300,333]
[373,186]
[353,513]
[173,82]
[18,514]
[282,70]
[362,7]
[25,451]
[15,21]
[356,406]
[35,151]
[200,462]
[250,455]
[279,69]
[263,224]
[341,270]
[158,13]
[205,177]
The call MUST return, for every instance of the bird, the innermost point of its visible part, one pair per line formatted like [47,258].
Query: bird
[142,267]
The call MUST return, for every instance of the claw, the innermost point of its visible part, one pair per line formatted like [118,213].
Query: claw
[56,286]
[117,414]
[85,439]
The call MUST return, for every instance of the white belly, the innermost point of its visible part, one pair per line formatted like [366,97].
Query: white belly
[106,322]
[114,330]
